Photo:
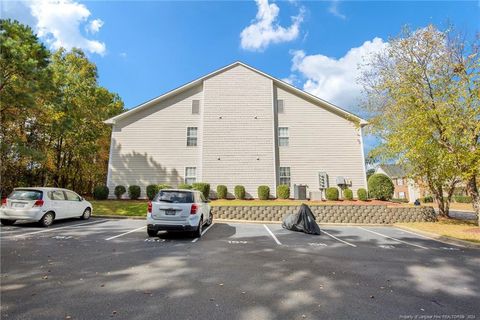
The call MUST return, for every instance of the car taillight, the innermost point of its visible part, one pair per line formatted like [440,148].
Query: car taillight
[38,203]
[194,208]
[4,202]
[149,207]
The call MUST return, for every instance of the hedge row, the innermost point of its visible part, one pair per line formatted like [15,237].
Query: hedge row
[283,192]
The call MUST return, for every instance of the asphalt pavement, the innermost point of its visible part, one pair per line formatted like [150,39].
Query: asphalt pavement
[111,269]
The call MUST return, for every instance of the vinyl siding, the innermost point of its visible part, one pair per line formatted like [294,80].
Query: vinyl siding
[149,147]
[319,140]
[245,145]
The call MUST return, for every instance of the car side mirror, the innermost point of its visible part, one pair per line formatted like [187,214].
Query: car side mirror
[80,199]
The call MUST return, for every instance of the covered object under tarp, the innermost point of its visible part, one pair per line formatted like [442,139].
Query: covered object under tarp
[302,221]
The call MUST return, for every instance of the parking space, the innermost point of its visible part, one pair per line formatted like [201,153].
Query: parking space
[235,271]
[130,230]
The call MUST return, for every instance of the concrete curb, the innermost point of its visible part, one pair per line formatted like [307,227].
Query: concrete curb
[117,217]
[319,223]
[444,239]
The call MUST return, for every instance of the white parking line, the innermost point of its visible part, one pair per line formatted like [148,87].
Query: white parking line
[331,235]
[122,234]
[273,236]
[429,238]
[395,239]
[53,229]
[204,231]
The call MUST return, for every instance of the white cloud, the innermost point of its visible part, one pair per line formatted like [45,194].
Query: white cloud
[58,22]
[335,80]
[265,29]
[333,9]
[94,26]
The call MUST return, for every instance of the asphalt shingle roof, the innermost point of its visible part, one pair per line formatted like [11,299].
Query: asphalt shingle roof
[393,170]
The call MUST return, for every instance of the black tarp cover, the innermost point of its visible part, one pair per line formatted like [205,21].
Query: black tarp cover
[302,221]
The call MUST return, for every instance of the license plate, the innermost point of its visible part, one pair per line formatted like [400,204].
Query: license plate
[170,212]
[18,205]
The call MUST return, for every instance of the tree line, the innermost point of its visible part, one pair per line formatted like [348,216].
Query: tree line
[51,115]
[423,94]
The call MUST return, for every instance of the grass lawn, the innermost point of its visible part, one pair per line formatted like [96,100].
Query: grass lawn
[458,206]
[458,229]
[127,208]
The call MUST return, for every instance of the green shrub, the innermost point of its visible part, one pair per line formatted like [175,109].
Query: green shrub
[134,192]
[120,191]
[184,186]
[331,193]
[152,191]
[239,192]
[362,194]
[462,199]
[203,188]
[348,194]
[222,192]
[427,199]
[263,192]
[399,200]
[100,192]
[283,191]
[163,186]
[380,187]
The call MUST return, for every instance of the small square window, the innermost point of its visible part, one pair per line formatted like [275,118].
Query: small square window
[195,106]
[190,175]
[284,175]
[191,136]
[283,138]
[280,107]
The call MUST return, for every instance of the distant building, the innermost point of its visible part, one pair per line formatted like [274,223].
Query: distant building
[405,188]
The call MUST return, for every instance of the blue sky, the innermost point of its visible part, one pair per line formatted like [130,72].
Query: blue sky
[144,48]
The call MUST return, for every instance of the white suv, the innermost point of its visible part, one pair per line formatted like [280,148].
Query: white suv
[43,205]
[178,210]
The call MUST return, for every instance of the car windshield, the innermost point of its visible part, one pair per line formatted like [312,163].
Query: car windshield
[175,196]
[25,195]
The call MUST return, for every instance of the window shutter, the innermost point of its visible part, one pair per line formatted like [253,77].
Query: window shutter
[195,106]
[280,106]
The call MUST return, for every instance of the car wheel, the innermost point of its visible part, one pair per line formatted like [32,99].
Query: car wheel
[86,214]
[198,233]
[7,222]
[152,233]
[210,219]
[47,219]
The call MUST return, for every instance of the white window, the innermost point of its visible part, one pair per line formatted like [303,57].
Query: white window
[190,175]
[191,136]
[285,175]
[280,107]
[283,137]
[400,182]
[401,195]
[195,106]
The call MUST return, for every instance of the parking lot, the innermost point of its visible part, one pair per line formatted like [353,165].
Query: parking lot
[105,268]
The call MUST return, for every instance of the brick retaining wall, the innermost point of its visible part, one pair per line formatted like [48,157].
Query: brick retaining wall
[330,213]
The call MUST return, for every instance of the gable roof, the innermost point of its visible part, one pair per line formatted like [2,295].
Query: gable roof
[325,104]
[393,170]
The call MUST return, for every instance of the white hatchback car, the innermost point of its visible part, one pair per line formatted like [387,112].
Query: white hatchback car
[178,210]
[43,205]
